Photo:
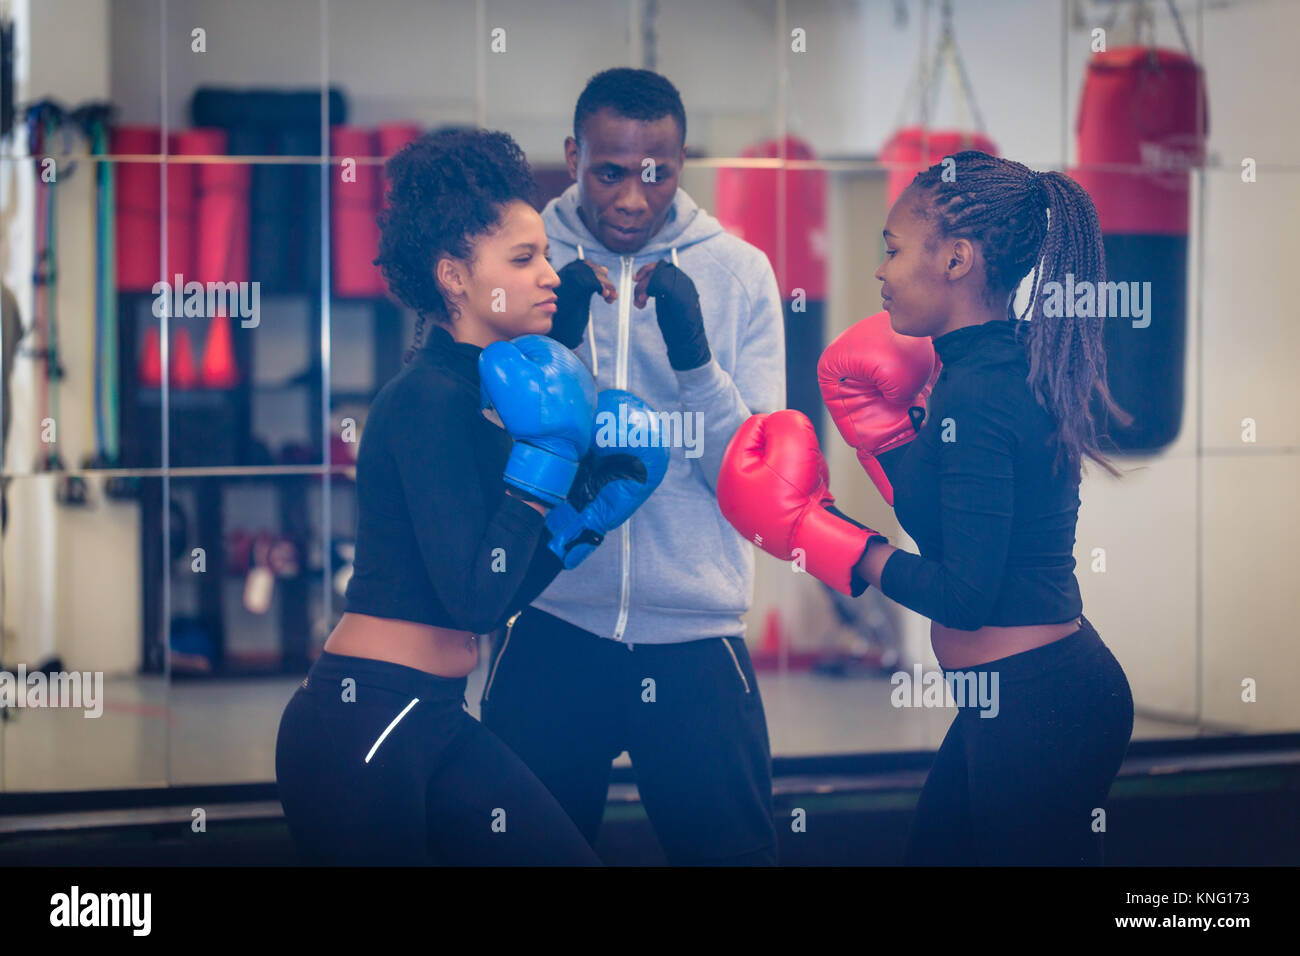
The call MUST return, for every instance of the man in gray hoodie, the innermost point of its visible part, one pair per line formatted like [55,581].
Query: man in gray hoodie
[641,648]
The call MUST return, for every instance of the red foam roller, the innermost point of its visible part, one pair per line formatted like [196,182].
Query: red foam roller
[138,226]
[138,232]
[354,233]
[392,137]
[181,202]
[221,212]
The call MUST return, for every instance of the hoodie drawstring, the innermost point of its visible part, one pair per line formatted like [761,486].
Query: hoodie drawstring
[590,340]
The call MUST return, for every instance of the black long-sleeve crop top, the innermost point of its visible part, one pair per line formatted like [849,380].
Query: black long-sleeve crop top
[438,540]
[976,491]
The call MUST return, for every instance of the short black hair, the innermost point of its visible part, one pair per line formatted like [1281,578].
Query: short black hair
[446,188]
[634,94]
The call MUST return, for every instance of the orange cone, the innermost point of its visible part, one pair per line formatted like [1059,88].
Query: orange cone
[149,372]
[183,372]
[219,368]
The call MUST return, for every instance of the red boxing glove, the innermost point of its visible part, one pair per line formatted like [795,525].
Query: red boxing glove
[870,376]
[774,489]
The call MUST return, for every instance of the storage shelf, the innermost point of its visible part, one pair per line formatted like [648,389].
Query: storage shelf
[216,425]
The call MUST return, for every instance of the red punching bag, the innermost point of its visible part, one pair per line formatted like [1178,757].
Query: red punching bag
[914,148]
[1141,129]
[919,146]
[748,204]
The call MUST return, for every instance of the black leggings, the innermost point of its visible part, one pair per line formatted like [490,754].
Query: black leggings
[569,702]
[402,774]
[1024,787]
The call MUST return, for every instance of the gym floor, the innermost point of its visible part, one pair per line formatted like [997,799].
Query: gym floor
[222,731]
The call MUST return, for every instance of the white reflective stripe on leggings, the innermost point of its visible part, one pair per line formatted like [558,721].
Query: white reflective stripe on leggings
[389,729]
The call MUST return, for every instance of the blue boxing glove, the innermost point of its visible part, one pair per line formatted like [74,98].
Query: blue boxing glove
[545,398]
[625,465]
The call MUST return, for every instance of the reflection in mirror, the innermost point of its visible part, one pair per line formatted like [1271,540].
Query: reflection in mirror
[180,461]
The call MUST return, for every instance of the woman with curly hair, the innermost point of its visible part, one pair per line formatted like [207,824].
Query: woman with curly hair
[973,423]
[377,759]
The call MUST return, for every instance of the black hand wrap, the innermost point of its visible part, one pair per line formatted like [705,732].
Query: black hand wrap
[917,414]
[594,473]
[573,303]
[677,307]
[858,584]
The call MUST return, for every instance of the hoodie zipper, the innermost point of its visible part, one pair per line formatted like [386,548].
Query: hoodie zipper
[620,381]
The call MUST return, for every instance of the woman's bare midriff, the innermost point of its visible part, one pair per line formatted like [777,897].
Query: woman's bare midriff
[957,650]
[434,650]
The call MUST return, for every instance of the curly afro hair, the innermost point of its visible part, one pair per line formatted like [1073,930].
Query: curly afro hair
[446,188]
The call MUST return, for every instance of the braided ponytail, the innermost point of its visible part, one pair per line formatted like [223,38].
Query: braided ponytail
[1042,222]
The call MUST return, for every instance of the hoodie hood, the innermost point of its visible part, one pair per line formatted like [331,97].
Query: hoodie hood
[685,225]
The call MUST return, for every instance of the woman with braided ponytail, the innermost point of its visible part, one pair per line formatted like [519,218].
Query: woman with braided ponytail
[988,488]
[973,423]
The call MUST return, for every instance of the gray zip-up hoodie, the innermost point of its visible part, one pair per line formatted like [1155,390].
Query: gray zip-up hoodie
[677,570]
